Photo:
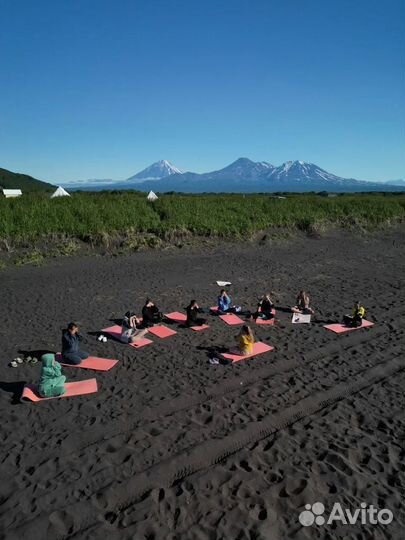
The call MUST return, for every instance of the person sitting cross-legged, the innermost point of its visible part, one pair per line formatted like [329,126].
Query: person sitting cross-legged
[51,382]
[264,308]
[150,314]
[193,311]
[71,338]
[131,328]
[302,304]
[245,340]
[356,318]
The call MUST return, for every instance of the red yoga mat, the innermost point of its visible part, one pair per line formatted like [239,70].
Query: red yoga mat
[115,332]
[267,321]
[140,343]
[339,328]
[161,331]
[231,319]
[176,316]
[258,348]
[79,388]
[92,362]
[200,327]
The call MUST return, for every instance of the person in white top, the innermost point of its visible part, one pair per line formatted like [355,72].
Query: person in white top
[130,328]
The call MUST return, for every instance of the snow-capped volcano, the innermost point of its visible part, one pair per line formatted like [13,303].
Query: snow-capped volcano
[156,171]
[242,168]
[302,172]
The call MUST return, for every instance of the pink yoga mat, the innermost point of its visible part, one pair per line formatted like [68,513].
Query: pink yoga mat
[258,348]
[200,327]
[267,321]
[92,362]
[140,343]
[231,319]
[115,332]
[79,388]
[176,316]
[339,328]
[161,331]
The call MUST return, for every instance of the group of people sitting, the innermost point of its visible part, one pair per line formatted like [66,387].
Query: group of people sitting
[265,306]
[133,328]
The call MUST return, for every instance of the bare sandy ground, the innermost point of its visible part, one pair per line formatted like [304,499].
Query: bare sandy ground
[173,448]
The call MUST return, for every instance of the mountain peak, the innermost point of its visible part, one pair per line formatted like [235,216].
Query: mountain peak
[156,171]
[243,161]
[302,172]
[245,168]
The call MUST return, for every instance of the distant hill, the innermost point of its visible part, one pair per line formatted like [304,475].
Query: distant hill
[12,180]
[400,182]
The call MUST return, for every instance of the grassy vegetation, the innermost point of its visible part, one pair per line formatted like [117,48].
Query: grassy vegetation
[34,257]
[96,216]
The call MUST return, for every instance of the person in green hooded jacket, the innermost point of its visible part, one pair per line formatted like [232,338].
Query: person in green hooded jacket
[52,382]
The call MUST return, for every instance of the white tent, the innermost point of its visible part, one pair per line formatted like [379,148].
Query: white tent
[152,196]
[12,193]
[60,192]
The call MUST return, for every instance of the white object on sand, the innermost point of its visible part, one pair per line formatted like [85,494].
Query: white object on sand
[223,283]
[299,318]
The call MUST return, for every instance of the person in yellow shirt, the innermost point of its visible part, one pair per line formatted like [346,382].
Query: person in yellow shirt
[245,340]
[356,318]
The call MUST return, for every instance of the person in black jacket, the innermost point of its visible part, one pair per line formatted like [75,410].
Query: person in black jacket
[193,310]
[265,308]
[150,314]
[71,353]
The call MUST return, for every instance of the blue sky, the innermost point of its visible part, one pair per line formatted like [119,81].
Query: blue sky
[101,89]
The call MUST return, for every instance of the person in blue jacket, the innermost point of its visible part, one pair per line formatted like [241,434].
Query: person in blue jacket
[71,353]
[224,302]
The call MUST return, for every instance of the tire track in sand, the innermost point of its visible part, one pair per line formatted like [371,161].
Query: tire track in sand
[62,525]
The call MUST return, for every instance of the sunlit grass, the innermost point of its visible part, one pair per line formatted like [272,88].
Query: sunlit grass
[90,214]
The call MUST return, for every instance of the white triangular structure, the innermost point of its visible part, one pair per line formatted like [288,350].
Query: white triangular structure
[223,283]
[152,196]
[60,192]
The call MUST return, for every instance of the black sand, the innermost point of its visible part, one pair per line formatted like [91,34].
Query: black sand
[173,448]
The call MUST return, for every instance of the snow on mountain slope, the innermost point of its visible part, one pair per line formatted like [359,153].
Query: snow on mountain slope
[301,171]
[156,171]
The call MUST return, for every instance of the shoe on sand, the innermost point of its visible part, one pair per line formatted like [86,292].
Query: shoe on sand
[104,339]
[13,364]
[18,360]
[33,361]
[213,361]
